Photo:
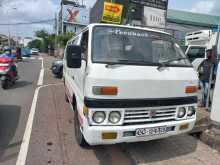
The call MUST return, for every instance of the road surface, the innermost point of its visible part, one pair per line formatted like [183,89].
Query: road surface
[49,121]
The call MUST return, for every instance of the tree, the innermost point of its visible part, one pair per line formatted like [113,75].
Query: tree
[62,39]
[35,44]
[50,40]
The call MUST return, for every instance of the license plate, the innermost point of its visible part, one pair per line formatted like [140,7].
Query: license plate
[151,131]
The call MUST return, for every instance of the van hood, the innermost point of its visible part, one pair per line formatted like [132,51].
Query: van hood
[139,82]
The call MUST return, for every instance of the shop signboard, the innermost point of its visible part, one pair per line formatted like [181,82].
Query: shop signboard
[112,13]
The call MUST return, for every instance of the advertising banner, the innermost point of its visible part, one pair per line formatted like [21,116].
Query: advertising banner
[154,17]
[75,15]
[112,13]
[153,12]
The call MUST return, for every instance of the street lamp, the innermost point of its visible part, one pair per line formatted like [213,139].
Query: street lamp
[9,33]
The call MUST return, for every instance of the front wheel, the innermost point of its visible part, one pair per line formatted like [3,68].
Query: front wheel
[4,84]
[78,134]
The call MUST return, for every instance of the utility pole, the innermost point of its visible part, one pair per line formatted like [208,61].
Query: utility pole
[9,31]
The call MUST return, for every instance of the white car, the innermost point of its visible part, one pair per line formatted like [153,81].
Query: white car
[128,84]
[34,51]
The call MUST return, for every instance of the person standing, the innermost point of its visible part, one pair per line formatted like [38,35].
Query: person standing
[205,72]
[18,54]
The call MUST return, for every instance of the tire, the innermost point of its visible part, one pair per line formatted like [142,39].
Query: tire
[78,134]
[61,73]
[4,84]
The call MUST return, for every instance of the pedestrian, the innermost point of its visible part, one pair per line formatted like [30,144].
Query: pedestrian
[18,53]
[205,72]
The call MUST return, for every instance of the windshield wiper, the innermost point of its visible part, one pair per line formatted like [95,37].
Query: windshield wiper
[131,62]
[135,62]
[164,64]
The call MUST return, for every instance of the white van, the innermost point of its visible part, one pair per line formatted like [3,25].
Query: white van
[128,84]
[199,43]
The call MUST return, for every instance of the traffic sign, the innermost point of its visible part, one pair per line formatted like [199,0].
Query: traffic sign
[112,13]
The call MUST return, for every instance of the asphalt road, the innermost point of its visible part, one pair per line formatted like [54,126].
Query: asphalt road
[14,109]
[52,135]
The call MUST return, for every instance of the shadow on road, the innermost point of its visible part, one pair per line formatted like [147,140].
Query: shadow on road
[9,118]
[20,84]
[161,150]
[149,152]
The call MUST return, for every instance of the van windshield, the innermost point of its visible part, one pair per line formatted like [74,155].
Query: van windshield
[116,45]
[196,52]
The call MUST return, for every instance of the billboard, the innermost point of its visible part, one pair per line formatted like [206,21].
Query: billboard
[154,17]
[155,12]
[75,15]
[112,13]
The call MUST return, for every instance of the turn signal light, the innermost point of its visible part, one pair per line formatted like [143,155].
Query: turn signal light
[109,135]
[184,126]
[85,110]
[105,90]
[191,89]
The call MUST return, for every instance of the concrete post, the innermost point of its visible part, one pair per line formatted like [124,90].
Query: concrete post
[215,111]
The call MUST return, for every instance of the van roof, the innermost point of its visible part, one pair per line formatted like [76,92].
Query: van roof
[127,26]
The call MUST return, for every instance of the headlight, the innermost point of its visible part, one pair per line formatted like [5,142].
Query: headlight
[181,112]
[114,117]
[98,117]
[191,111]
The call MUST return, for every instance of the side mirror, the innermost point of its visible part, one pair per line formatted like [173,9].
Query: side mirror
[73,56]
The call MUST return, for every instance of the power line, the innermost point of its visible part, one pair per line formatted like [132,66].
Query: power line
[28,23]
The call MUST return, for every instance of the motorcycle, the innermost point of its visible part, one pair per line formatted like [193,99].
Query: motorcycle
[8,76]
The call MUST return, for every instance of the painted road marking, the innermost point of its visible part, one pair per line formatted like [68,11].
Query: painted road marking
[41,76]
[22,156]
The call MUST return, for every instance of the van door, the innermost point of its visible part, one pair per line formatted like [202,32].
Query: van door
[196,55]
[69,73]
[75,78]
[81,73]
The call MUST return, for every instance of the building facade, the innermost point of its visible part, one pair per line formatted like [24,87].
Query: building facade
[178,23]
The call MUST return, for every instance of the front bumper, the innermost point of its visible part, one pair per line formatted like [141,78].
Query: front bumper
[93,134]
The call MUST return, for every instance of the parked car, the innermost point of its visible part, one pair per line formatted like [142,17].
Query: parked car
[34,51]
[119,93]
[25,52]
[57,68]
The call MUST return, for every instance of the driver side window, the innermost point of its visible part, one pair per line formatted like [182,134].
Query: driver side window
[84,45]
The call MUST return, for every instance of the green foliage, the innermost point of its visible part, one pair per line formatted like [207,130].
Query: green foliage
[62,39]
[50,40]
[35,44]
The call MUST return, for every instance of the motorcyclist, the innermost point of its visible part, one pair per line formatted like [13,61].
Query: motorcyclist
[13,67]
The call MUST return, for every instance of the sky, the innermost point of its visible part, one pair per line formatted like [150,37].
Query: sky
[13,11]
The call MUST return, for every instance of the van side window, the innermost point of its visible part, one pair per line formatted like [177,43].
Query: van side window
[84,44]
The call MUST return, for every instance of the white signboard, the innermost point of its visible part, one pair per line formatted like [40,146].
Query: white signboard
[215,111]
[154,17]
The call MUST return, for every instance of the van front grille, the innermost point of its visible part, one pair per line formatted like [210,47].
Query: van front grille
[134,117]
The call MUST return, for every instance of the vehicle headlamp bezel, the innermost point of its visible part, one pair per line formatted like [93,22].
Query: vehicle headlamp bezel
[114,113]
[98,113]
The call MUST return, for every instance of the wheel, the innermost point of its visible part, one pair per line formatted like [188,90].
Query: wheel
[4,84]
[78,134]
[60,73]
